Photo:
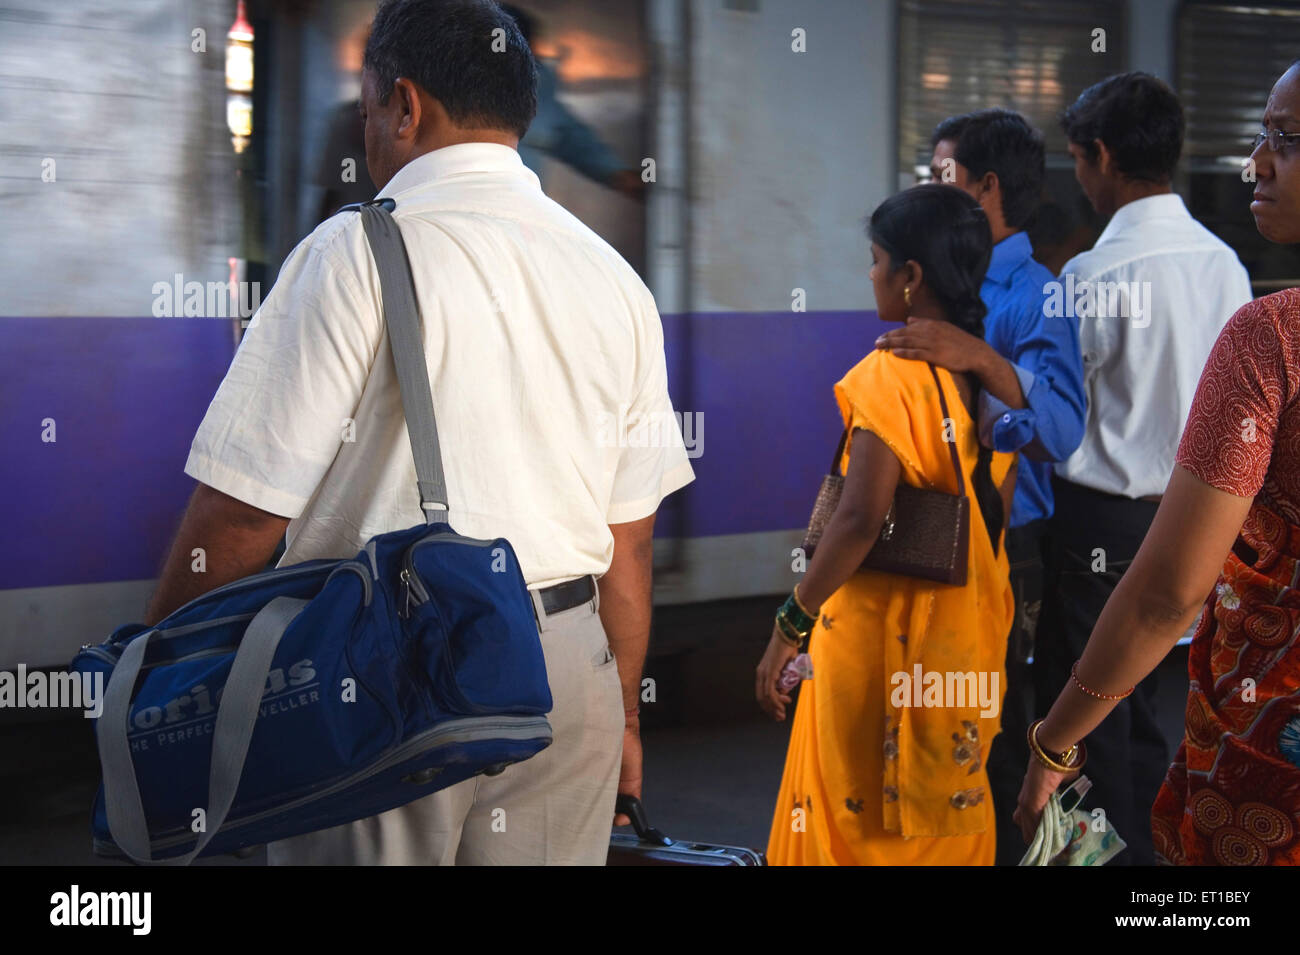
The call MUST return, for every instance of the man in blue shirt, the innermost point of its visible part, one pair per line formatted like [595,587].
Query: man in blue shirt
[1031,372]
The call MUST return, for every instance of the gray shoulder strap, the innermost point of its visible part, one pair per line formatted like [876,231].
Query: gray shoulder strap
[402,315]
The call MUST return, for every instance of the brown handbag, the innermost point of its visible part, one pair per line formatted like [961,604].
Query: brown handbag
[926,533]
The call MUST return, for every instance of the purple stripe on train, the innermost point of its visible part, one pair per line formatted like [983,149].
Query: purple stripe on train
[101,502]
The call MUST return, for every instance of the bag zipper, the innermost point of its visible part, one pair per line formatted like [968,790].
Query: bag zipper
[358,568]
[412,585]
[286,573]
[281,573]
[168,634]
[113,660]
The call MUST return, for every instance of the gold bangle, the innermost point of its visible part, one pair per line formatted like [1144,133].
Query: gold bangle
[790,636]
[1071,760]
[799,603]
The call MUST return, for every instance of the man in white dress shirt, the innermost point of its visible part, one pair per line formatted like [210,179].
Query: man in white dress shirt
[542,344]
[1151,297]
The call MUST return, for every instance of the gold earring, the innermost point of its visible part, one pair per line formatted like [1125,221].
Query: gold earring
[907,296]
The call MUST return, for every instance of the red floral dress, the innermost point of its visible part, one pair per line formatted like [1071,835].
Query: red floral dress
[1232,795]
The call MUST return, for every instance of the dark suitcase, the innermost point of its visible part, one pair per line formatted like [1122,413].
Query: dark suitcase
[649,846]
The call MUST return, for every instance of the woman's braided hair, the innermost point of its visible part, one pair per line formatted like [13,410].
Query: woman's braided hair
[945,231]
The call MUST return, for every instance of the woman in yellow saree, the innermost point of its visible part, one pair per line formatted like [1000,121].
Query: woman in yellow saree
[890,736]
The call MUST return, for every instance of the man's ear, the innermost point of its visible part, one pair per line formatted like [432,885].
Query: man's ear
[1105,158]
[408,98]
[990,188]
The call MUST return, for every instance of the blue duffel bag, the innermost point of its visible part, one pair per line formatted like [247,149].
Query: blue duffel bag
[311,695]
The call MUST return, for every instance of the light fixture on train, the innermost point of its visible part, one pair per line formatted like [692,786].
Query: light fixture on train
[239,79]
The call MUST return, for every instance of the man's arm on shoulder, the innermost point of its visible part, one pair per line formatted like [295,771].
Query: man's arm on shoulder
[220,539]
[946,345]
[999,378]
[1048,363]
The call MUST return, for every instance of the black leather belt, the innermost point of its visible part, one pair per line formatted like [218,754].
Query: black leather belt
[572,593]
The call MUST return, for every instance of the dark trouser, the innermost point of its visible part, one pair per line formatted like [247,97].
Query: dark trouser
[1010,753]
[1127,754]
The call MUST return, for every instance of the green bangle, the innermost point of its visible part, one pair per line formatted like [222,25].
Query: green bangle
[799,619]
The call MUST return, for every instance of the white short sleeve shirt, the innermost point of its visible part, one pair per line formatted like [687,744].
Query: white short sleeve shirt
[546,362]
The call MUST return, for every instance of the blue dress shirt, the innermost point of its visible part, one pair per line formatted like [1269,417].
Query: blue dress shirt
[1045,354]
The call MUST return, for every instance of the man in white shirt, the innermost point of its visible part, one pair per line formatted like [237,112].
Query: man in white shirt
[1150,297]
[544,349]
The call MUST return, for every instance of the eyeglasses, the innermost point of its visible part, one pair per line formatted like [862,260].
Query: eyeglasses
[1277,140]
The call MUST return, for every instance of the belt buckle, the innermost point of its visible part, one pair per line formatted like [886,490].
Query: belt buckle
[539,599]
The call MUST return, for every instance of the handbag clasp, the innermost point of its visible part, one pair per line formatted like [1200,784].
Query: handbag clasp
[887,531]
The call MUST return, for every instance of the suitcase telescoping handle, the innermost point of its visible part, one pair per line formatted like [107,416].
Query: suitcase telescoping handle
[631,807]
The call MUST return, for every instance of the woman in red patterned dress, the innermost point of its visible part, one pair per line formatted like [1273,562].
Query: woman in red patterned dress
[1232,510]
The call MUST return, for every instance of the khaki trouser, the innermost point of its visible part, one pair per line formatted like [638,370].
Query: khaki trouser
[556,808]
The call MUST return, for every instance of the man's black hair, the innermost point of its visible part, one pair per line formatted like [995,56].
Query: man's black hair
[1138,117]
[527,22]
[1001,141]
[452,50]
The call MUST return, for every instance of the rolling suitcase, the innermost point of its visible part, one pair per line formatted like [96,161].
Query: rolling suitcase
[649,846]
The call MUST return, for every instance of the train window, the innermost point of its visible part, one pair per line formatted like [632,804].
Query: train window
[1034,56]
[1228,56]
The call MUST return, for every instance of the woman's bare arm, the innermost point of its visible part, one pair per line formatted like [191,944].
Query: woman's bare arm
[1152,606]
[851,532]
[1154,603]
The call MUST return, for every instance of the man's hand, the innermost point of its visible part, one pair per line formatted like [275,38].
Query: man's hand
[943,343]
[629,778]
[625,614]
[946,345]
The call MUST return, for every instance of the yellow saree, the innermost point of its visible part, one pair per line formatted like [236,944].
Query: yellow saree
[890,736]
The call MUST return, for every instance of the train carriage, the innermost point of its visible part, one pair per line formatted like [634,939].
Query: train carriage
[771,128]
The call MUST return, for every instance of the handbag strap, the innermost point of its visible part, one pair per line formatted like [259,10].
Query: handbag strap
[839,453]
[406,341]
[952,445]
